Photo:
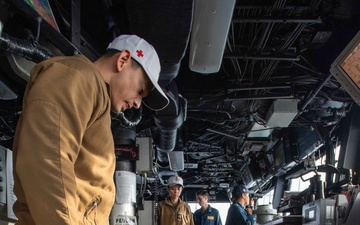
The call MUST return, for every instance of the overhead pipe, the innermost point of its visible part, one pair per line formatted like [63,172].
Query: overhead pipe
[169,120]
[258,87]
[168,135]
[261,56]
[26,49]
[255,97]
[278,19]
[313,95]
[225,134]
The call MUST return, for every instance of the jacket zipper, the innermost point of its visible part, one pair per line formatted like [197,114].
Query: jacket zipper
[91,207]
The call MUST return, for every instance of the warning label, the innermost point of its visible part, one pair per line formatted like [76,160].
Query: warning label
[124,220]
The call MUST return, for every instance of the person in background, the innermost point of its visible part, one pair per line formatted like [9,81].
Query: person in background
[64,158]
[241,210]
[206,215]
[172,210]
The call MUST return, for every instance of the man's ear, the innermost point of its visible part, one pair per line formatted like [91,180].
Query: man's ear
[123,58]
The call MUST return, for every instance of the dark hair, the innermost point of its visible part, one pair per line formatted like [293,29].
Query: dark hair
[235,195]
[202,193]
[110,52]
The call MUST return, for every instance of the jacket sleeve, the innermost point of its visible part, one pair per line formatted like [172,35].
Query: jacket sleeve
[190,215]
[237,216]
[159,214]
[244,217]
[59,105]
[195,216]
[218,219]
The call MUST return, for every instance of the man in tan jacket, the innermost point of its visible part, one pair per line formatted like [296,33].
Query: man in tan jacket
[173,210]
[64,157]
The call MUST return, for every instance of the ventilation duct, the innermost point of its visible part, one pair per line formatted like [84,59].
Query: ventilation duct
[209,32]
[169,121]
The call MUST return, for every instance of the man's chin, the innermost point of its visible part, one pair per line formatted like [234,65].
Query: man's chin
[117,111]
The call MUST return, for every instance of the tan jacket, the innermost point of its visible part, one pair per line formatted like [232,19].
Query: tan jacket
[169,215]
[63,149]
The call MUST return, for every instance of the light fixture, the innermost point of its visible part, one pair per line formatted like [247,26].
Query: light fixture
[176,160]
[209,32]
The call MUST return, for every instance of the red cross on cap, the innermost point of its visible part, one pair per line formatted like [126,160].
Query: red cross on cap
[139,53]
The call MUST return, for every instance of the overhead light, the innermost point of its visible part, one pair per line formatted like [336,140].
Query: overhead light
[209,32]
[176,160]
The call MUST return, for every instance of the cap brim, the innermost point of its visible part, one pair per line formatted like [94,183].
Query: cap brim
[249,192]
[175,185]
[156,99]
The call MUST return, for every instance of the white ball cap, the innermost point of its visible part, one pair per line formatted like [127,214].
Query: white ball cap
[175,180]
[145,54]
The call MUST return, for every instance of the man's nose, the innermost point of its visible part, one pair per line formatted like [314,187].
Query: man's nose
[137,103]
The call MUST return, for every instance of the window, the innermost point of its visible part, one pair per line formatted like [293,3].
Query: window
[303,182]
[266,199]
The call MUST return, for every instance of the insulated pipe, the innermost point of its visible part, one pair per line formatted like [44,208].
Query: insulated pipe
[168,121]
[168,136]
[168,126]
[23,48]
